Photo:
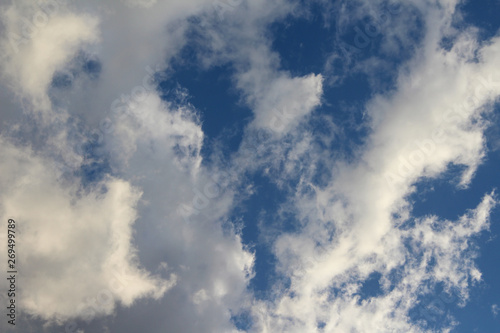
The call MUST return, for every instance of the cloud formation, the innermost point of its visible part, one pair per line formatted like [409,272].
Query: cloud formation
[124,224]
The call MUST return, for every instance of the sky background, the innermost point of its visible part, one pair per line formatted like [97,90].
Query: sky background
[251,166]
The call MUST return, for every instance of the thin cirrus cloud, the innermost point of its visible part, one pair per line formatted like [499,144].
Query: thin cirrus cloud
[124,223]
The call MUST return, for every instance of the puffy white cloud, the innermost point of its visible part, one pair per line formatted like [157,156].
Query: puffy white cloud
[158,147]
[77,259]
[39,39]
[111,232]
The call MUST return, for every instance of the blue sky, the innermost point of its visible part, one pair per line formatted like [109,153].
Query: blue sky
[252,166]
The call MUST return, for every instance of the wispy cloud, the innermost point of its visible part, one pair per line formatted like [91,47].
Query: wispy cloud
[494,309]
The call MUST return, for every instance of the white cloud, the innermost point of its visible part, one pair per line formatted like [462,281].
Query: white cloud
[185,205]
[494,309]
[431,120]
[286,101]
[110,233]
[38,41]
[76,246]
[279,100]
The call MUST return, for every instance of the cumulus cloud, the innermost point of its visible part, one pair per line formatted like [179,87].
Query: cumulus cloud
[76,246]
[40,39]
[120,215]
[91,178]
